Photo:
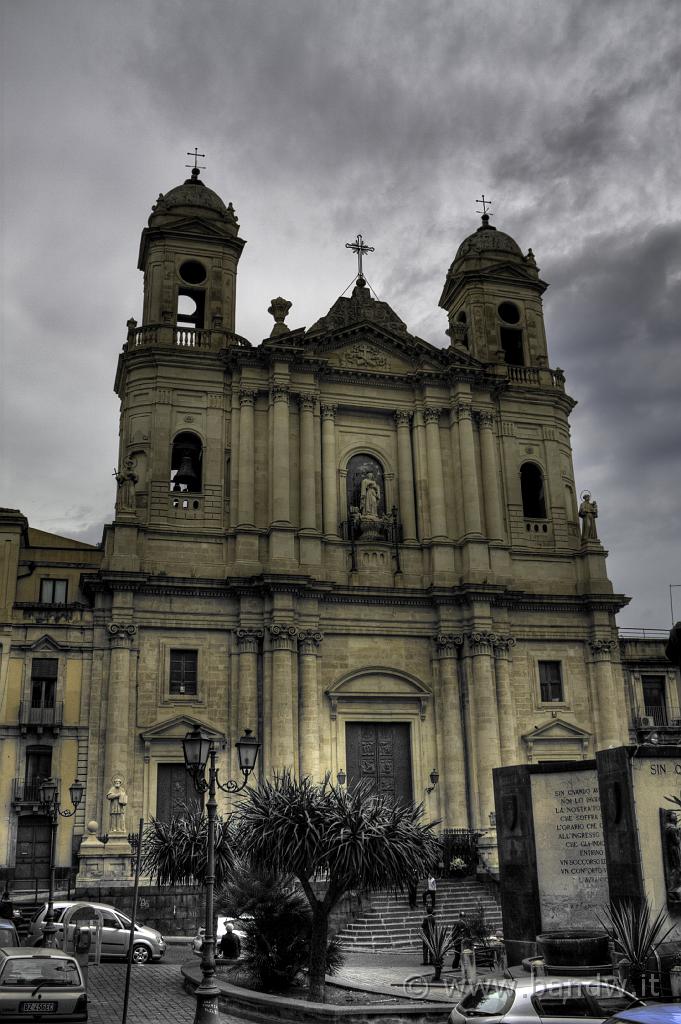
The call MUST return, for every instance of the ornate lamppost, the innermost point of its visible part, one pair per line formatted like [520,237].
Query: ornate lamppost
[50,805]
[199,750]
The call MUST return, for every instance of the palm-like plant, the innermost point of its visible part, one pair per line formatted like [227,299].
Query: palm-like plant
[440,940]
[175,852]
[352,839]
[635,933]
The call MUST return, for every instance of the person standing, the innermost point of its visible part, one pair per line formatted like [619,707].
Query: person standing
[431,890]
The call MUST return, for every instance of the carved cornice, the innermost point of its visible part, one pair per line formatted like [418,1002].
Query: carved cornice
[247,640]
[283,637]
[247,396]
[402,418]
[447,644]
[431,415]
[309,640]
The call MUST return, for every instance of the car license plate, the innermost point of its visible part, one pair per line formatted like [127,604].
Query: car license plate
[38,1006]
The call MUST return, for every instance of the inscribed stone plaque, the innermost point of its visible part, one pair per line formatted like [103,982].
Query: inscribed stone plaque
[568,833]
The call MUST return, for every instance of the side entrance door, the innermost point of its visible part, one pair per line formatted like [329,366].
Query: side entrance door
[380,753]
[33,850]
[174,791]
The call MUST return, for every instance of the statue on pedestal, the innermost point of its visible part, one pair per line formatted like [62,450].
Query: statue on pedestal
[370,496]
[118,799]
[126,481]
[588,513]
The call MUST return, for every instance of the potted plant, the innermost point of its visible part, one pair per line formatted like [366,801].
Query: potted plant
[458,868]
[636,936]
[440,940]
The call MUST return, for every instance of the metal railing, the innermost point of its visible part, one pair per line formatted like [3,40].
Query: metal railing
[40,718]
[656,715]
[27,791]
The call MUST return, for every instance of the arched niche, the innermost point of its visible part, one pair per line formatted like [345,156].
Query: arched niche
[362,467]
[532,490]
[186,463]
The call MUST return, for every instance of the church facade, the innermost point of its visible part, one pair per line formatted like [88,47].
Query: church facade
[366,549]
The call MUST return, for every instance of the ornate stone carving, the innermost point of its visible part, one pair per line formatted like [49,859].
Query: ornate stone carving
[247,396]
[309,640]
[118,800]
[481,642]
[278,393]
[279,309]
[447,644]
[283,637]
[307,401]
[214,401]
[431,415]
[247,640]
[125,483]
[486,419]
[402,419]
[329,412]
[121,630]
[363,356]
[503,645]
[602,649]
[588,513]
[463,411]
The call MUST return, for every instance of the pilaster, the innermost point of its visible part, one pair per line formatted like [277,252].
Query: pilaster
[308,706]
[507,717]
[484,719]
[283,639]
[448,646]
[247,645]
[329,477]
[405,476]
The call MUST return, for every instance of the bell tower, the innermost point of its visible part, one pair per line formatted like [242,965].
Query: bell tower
[492,296]
[171,376]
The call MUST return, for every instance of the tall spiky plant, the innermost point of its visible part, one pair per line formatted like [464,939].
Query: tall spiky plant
[175,852]
[634,932]
[352,839]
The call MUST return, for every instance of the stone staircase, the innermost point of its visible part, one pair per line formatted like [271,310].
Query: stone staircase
[387,922]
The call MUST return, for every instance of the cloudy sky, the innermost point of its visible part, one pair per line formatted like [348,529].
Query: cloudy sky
[319,119]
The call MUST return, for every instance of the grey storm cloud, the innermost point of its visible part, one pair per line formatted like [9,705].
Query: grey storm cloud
[320,120]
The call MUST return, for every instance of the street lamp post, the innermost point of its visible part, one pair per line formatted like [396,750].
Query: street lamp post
[50,805]
[199,750]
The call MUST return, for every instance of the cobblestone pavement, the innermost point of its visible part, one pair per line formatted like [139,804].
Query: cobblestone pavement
[156,995]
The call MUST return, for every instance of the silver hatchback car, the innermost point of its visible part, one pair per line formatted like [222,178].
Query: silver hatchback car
[537,1000]
[148,944]
[41,985]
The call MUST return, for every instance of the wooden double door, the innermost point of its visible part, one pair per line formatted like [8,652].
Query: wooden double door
[174,791]
[379,754]
[33,850]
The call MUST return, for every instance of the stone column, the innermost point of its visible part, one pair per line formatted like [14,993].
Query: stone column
[608,705]
[308,704]
[453,755]
[436,484]
[246,499]
[485,720]
[329,476]
[308,497]
[117,738]
[247,645]
[281,473]
[421,474]
[469,472]
[490,478]
[283,640]
[505,703]
[405,471]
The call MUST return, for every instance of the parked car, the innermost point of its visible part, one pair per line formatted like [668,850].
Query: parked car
[148,944]
[41,985]
[534,1000]
[8,933]
[656,1013]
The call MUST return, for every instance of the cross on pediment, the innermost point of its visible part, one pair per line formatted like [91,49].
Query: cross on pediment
[361,248]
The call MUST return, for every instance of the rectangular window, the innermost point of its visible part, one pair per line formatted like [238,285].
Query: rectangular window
[43,682]
[53,591]
[655,698]
[550,681]
[183,672]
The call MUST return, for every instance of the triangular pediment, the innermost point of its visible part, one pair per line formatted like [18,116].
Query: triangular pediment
[557,739]
[372,348]
[47,643]
[177,727]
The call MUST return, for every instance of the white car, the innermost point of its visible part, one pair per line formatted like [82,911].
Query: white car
[148,944]
[540,1000]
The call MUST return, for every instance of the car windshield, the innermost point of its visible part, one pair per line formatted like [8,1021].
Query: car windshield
[126,920]
[486,1001]
[43,971]
[610,1000]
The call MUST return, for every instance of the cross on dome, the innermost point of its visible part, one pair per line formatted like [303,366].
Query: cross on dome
[196,166]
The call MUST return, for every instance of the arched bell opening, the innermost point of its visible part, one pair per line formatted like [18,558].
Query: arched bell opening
[186,463]
[532,489]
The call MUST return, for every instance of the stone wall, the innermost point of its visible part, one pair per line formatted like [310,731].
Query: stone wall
[173,910]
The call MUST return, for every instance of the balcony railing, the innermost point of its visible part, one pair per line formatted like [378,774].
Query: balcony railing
[536,376]
[656,717]
[28,792]
[38,719]
[177,336]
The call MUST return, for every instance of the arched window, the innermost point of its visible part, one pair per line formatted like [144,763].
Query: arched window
[185,465]
[532,488]
[191,302]
[362,468]
[510,334]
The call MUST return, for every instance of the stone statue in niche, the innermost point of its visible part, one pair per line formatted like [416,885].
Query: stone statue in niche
[670,827]
[118,800]
[370,496]
[588,513]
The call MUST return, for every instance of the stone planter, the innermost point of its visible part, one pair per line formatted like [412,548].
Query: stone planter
[574,952]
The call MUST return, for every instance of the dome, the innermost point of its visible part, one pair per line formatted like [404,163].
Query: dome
[194,194]
[487,240]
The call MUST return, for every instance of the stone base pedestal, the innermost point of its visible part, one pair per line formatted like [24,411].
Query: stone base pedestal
[104,862]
